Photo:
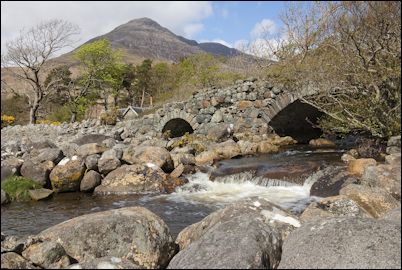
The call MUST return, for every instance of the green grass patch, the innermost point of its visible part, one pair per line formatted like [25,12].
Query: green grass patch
[17,187]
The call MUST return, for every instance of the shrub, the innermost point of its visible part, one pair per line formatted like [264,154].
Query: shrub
[7,120]
[109,117]
[17,187]
[48,122]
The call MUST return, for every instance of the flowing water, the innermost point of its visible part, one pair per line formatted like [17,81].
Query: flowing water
[284,178]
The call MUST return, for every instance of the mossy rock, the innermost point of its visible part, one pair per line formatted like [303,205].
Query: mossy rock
[17,187]
[67,177]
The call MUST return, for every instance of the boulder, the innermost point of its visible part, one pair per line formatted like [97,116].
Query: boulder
[375,201]
[90,149]
[356,167]
[393,159]
[321,142]
[130,179]
[182,158]
[393,215]
[10,167]
[217,117]
[67,175]
[244,104]
[40,194]
[46,154]
[4,197]
[11,260]
[47,254]
[91,138]
[219,240]
[336,206]
[108,161]
[347,158]
[206,157]
[171,183]
[133,233]
[177,171]
[228,149]
[39,172]
[218,132]
[267,147]
[343,243]
[247,148]
[384,176]
[91,162]
[149,154]
[91,180]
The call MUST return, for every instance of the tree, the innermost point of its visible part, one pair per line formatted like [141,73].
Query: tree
[143,72]
[102,69]
[350,52]
[27,57]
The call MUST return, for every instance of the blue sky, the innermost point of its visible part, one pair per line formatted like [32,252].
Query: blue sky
[233,21]
[225,22]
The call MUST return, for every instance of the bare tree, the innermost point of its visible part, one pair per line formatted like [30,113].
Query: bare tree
[27,57]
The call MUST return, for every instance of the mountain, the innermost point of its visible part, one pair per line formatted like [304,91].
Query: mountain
[147,39]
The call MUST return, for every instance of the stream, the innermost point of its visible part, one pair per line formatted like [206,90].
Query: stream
[284,178]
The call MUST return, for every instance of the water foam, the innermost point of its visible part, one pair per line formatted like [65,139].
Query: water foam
[231,188]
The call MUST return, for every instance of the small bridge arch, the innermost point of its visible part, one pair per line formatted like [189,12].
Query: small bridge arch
[178,122]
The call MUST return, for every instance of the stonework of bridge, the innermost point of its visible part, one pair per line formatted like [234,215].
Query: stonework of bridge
[248,106]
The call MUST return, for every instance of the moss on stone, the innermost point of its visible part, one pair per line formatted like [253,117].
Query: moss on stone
[17,187]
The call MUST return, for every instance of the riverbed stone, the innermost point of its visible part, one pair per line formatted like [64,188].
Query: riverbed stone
[393,215]
[10,167]
[132,179]
[218,132]
[90,181]
[39,172]
[356,167]
[247,147]
[11,260]
[227,149]
[149,154]
[321,142]
[45,154]
[218,240]
[336,206]
[343,243]
[132,233]
[206,157]
[108,161]
[4,197]
[47,254]
[91,162]
[374,200]
[384,176]
[90,149]
[40,193]
[67,175]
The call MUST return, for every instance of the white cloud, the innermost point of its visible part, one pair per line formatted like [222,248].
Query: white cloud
[263,28]
[218,40]
[191,29]
[96,18]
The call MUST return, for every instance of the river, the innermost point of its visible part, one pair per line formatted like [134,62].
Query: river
[284,178]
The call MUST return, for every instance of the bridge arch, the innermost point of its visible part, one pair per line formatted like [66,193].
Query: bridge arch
[178,122]
[290,116]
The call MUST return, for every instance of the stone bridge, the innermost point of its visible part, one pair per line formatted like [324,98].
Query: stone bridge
[247,106]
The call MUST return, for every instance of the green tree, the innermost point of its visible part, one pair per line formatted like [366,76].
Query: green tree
[143,81]
[102,70]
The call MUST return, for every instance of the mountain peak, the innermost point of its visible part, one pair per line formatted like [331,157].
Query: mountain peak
[145,21]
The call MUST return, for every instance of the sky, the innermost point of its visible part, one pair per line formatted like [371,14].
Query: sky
[232,23]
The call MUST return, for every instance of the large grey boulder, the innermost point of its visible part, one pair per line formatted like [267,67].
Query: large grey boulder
[91,162]
[91,138]
[244,235]
[11,260]
[343,243]
[133,233]
[108,161]
[67,175]
[384,176]
[91,180]
[90,149]
[10,167]
[129,179]
[149,154]
[374,200]
[39,172]
[47,254]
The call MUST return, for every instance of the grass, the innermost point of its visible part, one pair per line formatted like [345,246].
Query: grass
[17,187]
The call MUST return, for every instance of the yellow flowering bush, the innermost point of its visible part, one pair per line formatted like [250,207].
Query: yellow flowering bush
[7,120]
[48,122]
